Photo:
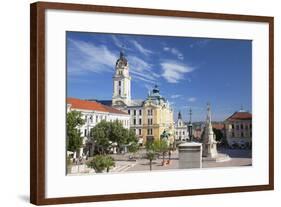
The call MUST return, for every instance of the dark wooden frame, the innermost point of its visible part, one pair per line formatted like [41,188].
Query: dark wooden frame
[37,102]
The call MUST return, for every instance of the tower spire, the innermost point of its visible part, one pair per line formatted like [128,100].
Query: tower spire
[179,115]
[190,114]
[209,119]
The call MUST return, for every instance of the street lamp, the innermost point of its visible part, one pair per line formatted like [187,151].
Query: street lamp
[190,125]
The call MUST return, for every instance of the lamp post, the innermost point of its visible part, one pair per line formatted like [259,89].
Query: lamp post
[190,125]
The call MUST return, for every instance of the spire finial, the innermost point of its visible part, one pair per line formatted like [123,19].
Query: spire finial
[208,112]
[241,108]
[179,115]
[190,114]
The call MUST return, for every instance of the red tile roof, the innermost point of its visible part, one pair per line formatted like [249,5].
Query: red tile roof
[240,116]
[218,126]
[92,105]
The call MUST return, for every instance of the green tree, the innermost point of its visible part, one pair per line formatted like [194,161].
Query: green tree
[100,163]
[133,148]
[161,147]
[150,155]
[74,120]
[106,133]
[150,152]
[100,134]
[109,162]
[220,137]
[121,136]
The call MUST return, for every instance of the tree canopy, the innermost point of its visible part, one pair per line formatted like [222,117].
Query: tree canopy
[73,121]
[104,134]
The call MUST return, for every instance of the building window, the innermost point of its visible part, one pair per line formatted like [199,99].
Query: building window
[250,126]
[233,134]
[149,112]
[149,131]
[139,121]
[119,92]
[129,112]
[139,131]
[183,133]
[241,126]
[232,126]
[176,133]
[97,118]
[149,121]
[140,112]
[119,83]
[135,112]
[85,132]
[134,121]
[242,134]
[237,127]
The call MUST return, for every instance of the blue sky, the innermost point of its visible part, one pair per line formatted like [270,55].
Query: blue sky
[189,71]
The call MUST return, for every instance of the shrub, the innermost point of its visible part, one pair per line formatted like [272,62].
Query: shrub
[101,162]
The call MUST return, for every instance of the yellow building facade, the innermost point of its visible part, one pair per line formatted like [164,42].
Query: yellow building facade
[158,116]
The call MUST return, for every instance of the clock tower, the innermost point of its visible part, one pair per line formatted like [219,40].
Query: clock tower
[121,82]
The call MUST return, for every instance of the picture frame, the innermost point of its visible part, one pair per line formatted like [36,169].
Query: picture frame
[38,99]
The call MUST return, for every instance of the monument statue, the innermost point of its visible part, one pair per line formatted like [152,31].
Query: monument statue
[209,138]
[209,141]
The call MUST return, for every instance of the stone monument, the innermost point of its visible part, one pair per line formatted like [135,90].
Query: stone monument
[210,152]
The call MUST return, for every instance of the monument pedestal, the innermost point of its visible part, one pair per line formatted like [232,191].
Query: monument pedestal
[190,155]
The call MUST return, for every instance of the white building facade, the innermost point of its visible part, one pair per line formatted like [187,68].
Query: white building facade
[93,113]
[181,130]
[239,129]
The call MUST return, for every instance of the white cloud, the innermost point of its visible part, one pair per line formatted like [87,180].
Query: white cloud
[173,71]
[98,58]
[191,99]
[175,52]
[141,49]
[142,70]
[93,58]
[148,86]
[200,43]
[175,96]
[116,41]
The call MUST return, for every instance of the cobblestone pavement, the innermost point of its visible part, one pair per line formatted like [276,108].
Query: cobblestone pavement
[239,157]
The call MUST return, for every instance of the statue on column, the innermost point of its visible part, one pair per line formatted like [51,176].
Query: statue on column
[209,138]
